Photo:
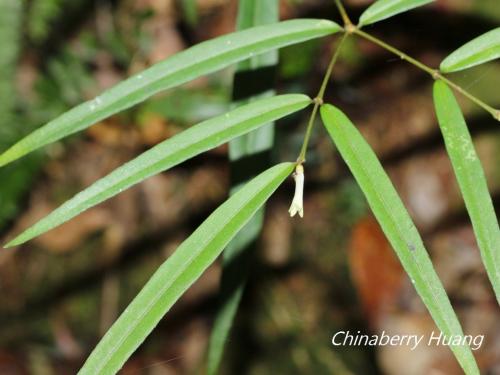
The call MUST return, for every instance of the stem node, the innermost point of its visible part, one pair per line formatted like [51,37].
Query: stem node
[497,115]
[318,100]
[350,28]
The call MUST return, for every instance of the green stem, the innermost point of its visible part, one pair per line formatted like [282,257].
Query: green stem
[433,72]
[397,52]
[303,150]
[329,70]
[318,100]
[343,13]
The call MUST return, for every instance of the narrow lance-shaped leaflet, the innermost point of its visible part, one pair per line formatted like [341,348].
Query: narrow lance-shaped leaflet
[187,65]
[471,179]
[193,141]
[397,226]
[180,270]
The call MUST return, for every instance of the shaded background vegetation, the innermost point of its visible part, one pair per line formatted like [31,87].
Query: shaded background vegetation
[331,271]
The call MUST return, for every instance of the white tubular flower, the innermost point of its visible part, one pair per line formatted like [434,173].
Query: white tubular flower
[297,202]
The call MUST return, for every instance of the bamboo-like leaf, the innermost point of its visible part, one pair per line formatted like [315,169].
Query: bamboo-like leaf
[482,49]
[193,141]
[250,149]
[471,179]
[382,9]
[397,226]
[196,61]
[180,270]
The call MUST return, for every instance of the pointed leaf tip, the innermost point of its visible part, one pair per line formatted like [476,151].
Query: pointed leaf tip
[13,243]
[185,145]
[382,9]
[201,59]
[7,157]
[478,51]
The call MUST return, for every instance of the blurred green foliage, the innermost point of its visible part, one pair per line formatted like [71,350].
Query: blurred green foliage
[14,179]
[188,106]
[42,15]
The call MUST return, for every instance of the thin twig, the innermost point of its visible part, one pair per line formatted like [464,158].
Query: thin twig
[318,100]
[433,72]
[343,13]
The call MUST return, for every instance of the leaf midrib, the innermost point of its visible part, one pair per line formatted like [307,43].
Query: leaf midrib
[475,202]
[394,222]
[208,240]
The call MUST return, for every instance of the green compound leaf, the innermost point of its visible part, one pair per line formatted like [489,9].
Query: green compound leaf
[482,49]
[470,177]
[382,9]
[193,141]
[187,65]
[397,226]
[181,270]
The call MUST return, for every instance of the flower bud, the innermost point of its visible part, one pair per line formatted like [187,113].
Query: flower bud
[297,202]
